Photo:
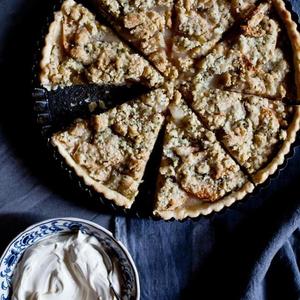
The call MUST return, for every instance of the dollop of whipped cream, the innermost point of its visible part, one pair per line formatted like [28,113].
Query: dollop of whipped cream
[62,267]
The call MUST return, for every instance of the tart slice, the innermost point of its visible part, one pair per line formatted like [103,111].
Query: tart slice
[147,25]
[110,151]
[255,63]
[196,175]
[80,50]
[199,26]
[256,131]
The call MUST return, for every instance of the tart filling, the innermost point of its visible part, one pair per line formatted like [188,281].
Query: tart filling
[147,25]
[195,169]
[254,64]
[110,151]
[80,50]
[200,25]
[251,128]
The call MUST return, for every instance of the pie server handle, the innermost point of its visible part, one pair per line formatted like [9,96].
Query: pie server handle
[58,108]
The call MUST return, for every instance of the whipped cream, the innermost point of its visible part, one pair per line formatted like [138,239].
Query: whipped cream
[63,267]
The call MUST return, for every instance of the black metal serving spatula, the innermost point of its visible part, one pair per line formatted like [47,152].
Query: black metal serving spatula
[57,109]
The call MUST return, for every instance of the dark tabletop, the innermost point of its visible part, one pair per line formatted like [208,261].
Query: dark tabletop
[248,251]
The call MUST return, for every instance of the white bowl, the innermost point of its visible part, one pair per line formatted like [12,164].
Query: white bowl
[130,288]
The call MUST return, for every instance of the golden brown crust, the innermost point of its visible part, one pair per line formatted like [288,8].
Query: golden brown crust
[51,38]
[206,208]
[117,198]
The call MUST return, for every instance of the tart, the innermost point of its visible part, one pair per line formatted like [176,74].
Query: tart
[230,68]
[80,50]
[195,170]
[110,151]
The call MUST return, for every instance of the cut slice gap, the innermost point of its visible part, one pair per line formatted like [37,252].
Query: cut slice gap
[196,175]
[256,131]
[253,63]
[198,107]
[110,151]
[200,25]
[143,205]
[80,50]
[145,24]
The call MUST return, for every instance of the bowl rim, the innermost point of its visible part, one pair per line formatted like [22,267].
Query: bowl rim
[87,222]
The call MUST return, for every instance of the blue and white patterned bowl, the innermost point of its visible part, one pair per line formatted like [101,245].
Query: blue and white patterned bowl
[130,288]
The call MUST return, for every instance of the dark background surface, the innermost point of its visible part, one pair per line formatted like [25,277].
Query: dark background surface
[243,252]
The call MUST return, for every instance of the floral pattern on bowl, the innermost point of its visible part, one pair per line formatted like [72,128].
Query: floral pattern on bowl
[129,276]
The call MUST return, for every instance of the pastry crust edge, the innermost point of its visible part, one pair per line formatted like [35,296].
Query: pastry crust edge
[54,33]
[109,194]
[50,40]
[206,208]
[294,37]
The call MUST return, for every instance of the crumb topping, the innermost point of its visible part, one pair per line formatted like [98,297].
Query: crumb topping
[114,147]
[201,24]
[253,65]
[193,164]
[85,51]
[250,127]
[147,24]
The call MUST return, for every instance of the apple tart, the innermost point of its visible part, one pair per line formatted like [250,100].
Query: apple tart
[221,75]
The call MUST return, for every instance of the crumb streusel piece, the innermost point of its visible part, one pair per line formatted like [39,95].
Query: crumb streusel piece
[252,128]
[194,169]
[199,25]
[254,64]
[80,50]
[147,25]
[110,151]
